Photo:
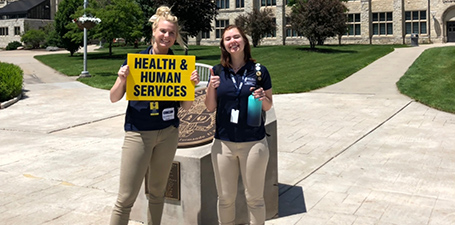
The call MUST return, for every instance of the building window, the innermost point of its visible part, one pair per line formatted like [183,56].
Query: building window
[222,4]
[382,23]
[268,2]
[205,34]
[416,22]
[273,34]
[3,31]
[289,31]
[17,30]
[353,24]
[219,27]
[239,3]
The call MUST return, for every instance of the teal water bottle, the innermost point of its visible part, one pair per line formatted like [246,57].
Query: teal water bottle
[254,111]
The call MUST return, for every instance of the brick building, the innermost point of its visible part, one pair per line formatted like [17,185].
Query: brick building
[370,21]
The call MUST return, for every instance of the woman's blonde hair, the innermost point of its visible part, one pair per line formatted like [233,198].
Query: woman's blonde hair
[164,13]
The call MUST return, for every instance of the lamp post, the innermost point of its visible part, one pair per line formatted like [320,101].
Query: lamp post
[85,73]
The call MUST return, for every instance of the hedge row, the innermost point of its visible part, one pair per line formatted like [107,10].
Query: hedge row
[11,79]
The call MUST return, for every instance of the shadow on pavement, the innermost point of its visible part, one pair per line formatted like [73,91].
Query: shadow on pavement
[291,200]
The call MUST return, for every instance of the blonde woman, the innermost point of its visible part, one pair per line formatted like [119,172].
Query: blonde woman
[151,138]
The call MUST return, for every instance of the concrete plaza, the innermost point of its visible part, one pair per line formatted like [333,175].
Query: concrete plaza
[356,152]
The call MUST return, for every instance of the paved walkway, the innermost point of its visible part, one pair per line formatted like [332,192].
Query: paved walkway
[357,152]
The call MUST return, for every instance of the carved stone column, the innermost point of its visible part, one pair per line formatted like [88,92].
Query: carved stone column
[398,22]
[280,22]
[365,19]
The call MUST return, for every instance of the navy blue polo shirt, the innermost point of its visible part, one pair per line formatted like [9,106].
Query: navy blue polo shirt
[227,99]
[148,115]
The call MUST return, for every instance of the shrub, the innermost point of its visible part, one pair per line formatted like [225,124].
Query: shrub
[13,45]
[33,38]
[11,78]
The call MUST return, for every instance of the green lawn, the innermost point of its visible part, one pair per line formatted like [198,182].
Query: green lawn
[293,69]
[431,79]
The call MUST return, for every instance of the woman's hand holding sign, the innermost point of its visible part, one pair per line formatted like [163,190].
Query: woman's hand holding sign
[195,77]
[123,72]
[118,90]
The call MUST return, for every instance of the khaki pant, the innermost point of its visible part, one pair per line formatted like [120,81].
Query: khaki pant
[149,155]
[250,159]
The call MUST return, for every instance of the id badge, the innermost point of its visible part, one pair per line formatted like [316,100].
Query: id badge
[154,109]
[234,116]
[168,114]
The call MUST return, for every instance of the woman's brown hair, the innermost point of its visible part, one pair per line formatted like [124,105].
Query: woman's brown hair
[225,56]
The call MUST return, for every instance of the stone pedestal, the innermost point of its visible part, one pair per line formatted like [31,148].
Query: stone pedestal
[198,197]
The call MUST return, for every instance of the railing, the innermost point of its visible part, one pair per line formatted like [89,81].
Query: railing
[204,73]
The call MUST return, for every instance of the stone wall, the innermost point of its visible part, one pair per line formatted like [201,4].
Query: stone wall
[438,13]
[22,24]
[11,24]
[382,5]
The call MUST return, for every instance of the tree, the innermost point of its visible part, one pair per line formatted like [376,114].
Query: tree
[52,38]
[119,19]
[66,30]
[257,24]
[148,10]
[318,20]
[341,28]
[33,38]
[194,16]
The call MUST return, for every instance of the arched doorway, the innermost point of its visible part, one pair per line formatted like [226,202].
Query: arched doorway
[449,22]
[450,31]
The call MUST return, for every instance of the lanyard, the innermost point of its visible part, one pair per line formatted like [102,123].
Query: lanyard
[238,88]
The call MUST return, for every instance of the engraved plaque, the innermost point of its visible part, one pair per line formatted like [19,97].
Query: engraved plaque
[197,125]
[173,182]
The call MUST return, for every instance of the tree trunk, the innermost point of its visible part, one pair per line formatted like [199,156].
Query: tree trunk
[110,48]
[255,39]
[312,44]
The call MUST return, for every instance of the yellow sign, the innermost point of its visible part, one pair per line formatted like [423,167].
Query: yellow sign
[160,77]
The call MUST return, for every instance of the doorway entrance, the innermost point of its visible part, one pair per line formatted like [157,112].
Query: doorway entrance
[451,31]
